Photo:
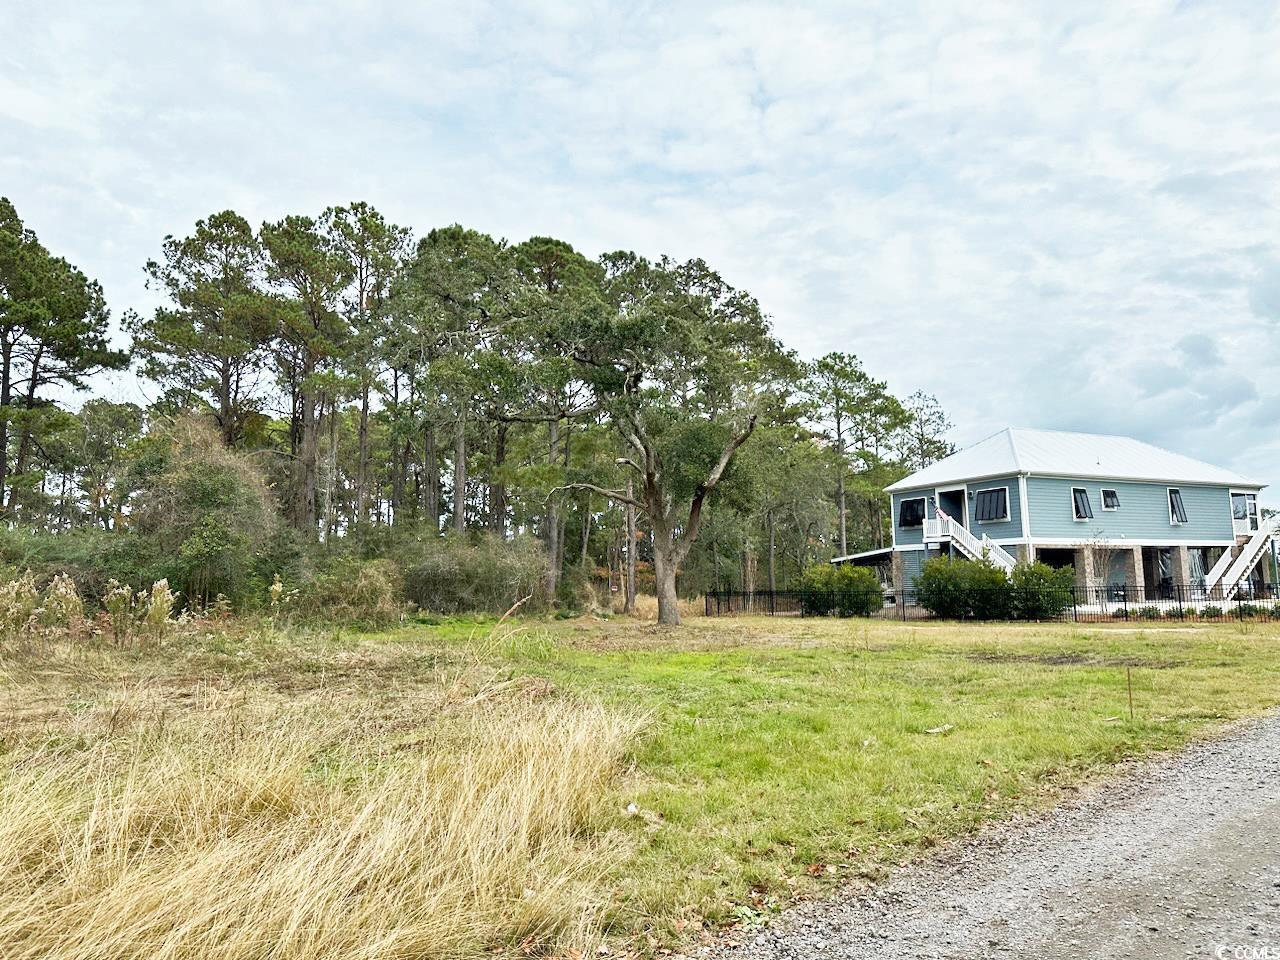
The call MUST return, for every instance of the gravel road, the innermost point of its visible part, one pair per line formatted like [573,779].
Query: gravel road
[1178,857]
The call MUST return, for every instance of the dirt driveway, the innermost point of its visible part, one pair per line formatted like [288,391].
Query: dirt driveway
[1179,857]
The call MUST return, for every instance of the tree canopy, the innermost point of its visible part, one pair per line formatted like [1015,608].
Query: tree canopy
[638,418]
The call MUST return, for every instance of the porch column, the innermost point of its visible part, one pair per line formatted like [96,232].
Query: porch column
[1084,568]
[899,571]
[1134,575]
[1181,566]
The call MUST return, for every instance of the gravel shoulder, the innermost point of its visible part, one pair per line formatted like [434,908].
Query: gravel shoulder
[1176,857]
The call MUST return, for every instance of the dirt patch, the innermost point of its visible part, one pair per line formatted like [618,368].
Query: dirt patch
[1074,659]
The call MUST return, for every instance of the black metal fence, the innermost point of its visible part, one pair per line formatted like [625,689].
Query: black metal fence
[1167,602]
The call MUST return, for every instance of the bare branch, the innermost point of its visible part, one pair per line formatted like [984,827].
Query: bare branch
[618,496]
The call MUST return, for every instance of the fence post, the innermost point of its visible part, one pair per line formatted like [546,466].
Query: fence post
[1075,613]
[773,602]
[1124,599]
[902,603]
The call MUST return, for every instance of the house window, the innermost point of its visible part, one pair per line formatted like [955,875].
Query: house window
[991,506]
[1244,509]
[911,512]
[1177,510]
[1080,503]
[1110,499]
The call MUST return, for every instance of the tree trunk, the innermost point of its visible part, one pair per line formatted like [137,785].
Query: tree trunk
[362,468]
[773,556]
[305,497]
[460,474]
[664,572]
[431,477]
[841,504]
[586,530]
[498,489]
[225,418]
[552,519]
[629,601]
[844,512]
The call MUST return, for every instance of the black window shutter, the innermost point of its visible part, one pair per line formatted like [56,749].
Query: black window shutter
[1176,506]
[1081,499]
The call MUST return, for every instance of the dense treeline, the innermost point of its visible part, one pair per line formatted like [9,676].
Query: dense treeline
[331,388]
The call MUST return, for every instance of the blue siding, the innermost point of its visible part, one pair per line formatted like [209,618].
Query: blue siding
[912,561]
[910,534]
[1002,530]
[1143,513]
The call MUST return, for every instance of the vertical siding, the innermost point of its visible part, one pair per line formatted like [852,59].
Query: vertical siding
[1143,513]
[910,535]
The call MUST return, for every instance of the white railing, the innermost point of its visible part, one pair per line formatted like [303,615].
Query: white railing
[944,528]
[1250,553]
[1212,578]
[998,554]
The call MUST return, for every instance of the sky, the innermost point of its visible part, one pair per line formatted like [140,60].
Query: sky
[1055,215]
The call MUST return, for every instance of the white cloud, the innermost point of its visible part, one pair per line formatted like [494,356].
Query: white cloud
[1047,214]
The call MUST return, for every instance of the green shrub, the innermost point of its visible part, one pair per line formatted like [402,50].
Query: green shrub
[1039,591]
[847,591]
[474,573]
[1246,611]
[1148,613]
[1176,613]
[1210,612]
[964,590]
[817,596]
[858,592]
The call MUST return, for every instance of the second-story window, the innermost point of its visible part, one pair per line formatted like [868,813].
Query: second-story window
[990,506]
[1110,499]
[911,513]
[1080,503]
[1177,509]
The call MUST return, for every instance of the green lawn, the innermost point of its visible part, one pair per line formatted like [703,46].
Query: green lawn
[785,754]
[780,756]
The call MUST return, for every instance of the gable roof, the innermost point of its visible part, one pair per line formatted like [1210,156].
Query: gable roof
[1017,450]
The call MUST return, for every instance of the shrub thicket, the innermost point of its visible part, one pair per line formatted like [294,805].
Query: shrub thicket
[478,572]
[847,591]
[206,514]
[349,590]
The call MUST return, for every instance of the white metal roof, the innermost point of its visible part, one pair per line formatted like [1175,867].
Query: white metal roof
[1017,450]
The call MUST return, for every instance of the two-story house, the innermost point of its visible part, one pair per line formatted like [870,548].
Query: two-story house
[1117,510]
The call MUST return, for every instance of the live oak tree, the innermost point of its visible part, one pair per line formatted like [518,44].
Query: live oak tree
[685,367]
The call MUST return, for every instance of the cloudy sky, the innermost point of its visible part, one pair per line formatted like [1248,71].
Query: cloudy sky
[1048,214]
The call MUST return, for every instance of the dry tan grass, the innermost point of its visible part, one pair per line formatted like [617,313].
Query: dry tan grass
[236,831]
[647,607]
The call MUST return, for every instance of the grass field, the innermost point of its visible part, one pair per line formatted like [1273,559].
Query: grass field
[464,788]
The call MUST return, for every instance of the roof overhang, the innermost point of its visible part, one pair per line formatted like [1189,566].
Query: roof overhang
[866,557]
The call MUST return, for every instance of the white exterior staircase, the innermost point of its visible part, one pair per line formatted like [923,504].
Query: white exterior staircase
[1228,575]
[944,528]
